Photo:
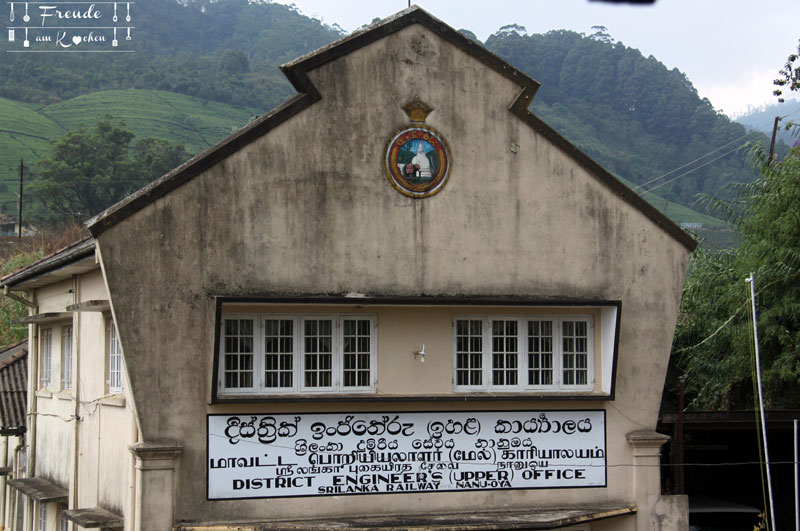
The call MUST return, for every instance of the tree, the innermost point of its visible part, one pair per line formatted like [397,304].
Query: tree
[234,62]
[11,310]
[789,75]
[89,170]
[713,339]
[24,254]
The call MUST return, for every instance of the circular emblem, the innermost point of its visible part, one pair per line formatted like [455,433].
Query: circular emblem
[417,161]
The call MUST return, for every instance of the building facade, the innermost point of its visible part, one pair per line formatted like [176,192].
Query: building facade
[398,300]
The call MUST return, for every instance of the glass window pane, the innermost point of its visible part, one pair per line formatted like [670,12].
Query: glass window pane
[469,352]
[540,352]
[325,327]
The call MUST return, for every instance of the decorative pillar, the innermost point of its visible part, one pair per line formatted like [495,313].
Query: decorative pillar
[646,474]
[155,484]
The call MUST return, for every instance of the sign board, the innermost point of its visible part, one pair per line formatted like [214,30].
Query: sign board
[267,456]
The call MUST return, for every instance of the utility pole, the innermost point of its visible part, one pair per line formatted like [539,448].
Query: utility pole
[751,280]
[774,133]
[19,205]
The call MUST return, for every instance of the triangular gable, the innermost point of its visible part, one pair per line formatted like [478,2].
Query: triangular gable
[296,71]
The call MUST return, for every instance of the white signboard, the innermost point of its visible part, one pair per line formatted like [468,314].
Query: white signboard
[266,456]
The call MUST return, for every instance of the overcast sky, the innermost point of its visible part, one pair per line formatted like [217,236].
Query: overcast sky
[731,50]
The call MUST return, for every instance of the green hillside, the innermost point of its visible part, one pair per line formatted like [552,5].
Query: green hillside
[26,131]
[198,123]
[630,113]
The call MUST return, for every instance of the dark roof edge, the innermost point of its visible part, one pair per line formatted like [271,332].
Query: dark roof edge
[199,163]
[57,260]
[296,73]
[397,22]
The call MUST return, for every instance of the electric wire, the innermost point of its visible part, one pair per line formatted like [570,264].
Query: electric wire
[635,188]
[687,172]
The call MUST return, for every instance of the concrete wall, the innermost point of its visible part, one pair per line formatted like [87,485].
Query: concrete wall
[306,209]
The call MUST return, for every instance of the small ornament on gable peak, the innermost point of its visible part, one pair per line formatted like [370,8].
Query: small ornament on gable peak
[417,110]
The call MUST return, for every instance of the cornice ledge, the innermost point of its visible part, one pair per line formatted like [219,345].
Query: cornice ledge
[646,439]
[156,450]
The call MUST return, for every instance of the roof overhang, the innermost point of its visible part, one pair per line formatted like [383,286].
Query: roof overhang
[76,259]
[40,489]
[729,420]
[94,517]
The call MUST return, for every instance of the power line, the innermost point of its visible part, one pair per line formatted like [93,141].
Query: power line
[694,169]
[695,160]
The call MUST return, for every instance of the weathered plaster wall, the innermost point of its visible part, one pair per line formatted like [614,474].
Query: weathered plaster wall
[307,209]
[106,423]
[53,404]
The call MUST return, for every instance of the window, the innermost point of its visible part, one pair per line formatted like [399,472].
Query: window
[41,524]
[66,357]
[46,358]
[264,353]
[114,360]
[524,353]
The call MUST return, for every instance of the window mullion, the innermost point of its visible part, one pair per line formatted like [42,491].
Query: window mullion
[558,353]
[337,353]
[301,343]
[259,352]
[486,334]
[522,353]
[297,354]
[299,333]
[373,351]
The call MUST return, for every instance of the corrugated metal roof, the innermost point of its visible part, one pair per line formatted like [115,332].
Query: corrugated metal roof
[13,388]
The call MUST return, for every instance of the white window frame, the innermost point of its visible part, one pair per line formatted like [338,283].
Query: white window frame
[41,521]
[522,362]
[66,356]
[223,353]
[299,359]
[115,384]
[46,358]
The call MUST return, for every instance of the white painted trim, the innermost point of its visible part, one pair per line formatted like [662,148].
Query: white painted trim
[608,328]
[522,358]
[298,361]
